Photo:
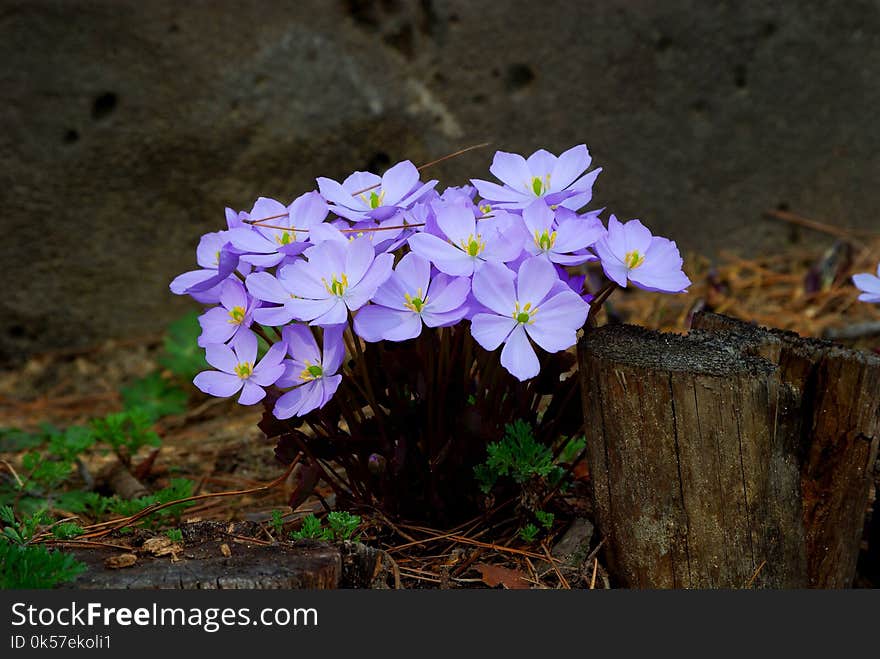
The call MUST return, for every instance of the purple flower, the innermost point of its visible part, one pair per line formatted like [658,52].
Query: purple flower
[314,378]
[236,370]
[869,285]
[266,245]
[629,252]
[217,261]
[338,276]
[234,314]
[364,195]
[523,306]
[542,175]
[409,298]
[466,244]
[557,236]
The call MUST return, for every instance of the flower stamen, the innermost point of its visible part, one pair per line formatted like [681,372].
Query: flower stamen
[416,303]
[525,315]
[236,315]
[633,259]
[311,372]
[336,286]
[244,370]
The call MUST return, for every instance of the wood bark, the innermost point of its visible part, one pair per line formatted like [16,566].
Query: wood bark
[719,459]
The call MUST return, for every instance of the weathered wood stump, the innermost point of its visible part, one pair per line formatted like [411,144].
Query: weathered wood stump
[730,457]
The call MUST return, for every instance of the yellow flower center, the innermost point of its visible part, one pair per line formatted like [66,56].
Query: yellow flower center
[545,240]
[416,303]
[473,246]
[525,315]
[236,315]
[286,237]
[485,209]
[311,372]
[539,185]
[336,286]
[244,370]
[633,259]
[374,200]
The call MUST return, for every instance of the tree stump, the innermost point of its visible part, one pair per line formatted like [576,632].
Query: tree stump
[711,458]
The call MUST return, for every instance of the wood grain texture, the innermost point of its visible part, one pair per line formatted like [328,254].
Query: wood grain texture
[730,457]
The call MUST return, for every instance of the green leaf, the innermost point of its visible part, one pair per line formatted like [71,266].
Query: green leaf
[154,396]
[35,567]
[182,354]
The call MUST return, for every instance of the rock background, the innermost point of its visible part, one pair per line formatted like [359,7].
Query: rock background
[128,126]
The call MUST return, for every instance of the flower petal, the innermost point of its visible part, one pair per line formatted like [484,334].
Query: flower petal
[264,286]
[377,274]
[217,384]
[245,346]
[569,166]
[334,348]
[457,222]
[372,321]
[221,357]
[398,181]
[490,331]
[446,257]
[519,356]
[535,279]
[216,327]
[447,293]
[511,169]
[301,344]
[251,393]
[493,287]
[274,316]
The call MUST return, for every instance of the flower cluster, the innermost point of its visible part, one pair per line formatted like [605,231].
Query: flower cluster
[378,259]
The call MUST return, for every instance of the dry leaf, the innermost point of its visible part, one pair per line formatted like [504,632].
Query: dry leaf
[120,561]
[161,546]
[225,550]
[493,575]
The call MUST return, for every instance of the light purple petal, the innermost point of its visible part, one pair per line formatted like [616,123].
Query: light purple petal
[519,357]
[636,237]
[415,272]
[511,169]
[251,393]
[535,279]
[329,385]
[493,192]
[446,257]
[358,181]
[505,234]
[336,193]
[416,194]
[274,316]
[308,310]
[541,163]
[335,315]
[301,344]
[217,384]
[232,294]
[537,216]
[867,283]
[216,327]
[447,293]
[303,280]
[267,375]
[373,320]
[308,210]
[377,274]
[358,257]
[221,357]
[569,166]
[291,403]
[557,321]
[407,325]
[398,181]
[264,286]
[194,279]
[457,222]
[446,318]
[245,346]
[490,331]
[334,349]
[392,293]
[493,287]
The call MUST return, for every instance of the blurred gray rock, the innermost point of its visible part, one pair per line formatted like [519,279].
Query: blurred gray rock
[128,126]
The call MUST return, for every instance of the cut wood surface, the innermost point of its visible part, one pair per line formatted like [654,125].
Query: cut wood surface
[713,462]
[210,558]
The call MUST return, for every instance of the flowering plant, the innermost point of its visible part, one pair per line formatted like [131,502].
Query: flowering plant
[382,303]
